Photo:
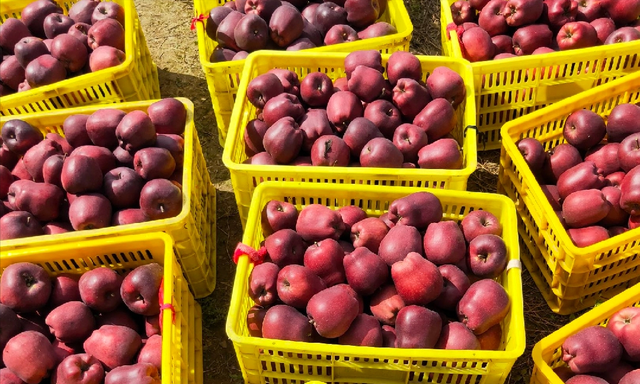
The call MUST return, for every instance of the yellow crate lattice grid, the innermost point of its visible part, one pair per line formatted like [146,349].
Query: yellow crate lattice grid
[245,177]
[182,333]
[510,88]
[570,278]
[133,80]
[223,79]
[547,353]
[264,360]
[193,230]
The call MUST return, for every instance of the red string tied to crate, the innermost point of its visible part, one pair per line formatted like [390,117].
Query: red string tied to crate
[255,256]
[201,18]
[172,309]
[451,27]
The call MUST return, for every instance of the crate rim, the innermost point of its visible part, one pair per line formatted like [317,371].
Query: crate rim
[330,171]
[114,230]
[529,61]
[40,254]
[381,40]
[509,145]
[513,274]
[68,84]
[556,338]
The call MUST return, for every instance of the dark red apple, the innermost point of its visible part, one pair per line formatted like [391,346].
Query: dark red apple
[528,39]
[622,12]
[108,10]
[378,29]
[313,124]
[623,35]
[330,150]
[342,108]
[262,8]
[560,12]
[578,34]
[70,52]
[329,14]
[34,13]
[491,18]
[477,45]
[340,33]
[286,25]
[251,33]
[410,97]
[316,89]
[44,70]
[380,152]
[522,12]
[12,74]
[12,30]
[533,153]
[604,27]
[462,12]
[105,57]
[621,122]
[82,11]
[106,32]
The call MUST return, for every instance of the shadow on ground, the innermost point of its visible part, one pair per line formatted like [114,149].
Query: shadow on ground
[220,365]
[195,88]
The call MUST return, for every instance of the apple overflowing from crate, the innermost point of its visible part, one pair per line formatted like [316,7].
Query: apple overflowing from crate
[363,119]
[110,168]
[593,180]
[244,26]
[45,46]
[500,29]
[406,279]
[608,354]
[97,327]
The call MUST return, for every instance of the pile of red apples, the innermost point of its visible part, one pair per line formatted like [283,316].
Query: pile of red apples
[604,354]
[500,29]
[407,279]
[94,328]
[593,180]
[363,119]
[243,26]
[110,168]
[44,46]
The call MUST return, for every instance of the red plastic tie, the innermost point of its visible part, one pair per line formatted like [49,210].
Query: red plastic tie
[256,257]
[450,27]
[200,18]
[172,309]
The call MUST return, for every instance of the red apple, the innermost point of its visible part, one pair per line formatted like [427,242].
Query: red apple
[625,324]
[578,34]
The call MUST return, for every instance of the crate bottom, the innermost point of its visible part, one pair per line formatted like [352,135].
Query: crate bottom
[557,303]
[569,281]
[562,299]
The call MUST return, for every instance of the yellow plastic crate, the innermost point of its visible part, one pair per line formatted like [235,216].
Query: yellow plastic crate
[574,278]
[245,177]
[505,91]
[542,275]
[193,230]
[135,79]
[264,360]
[223,79]
[547,353]
[182,335]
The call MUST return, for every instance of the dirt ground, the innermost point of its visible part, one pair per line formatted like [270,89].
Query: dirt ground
[175,51]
